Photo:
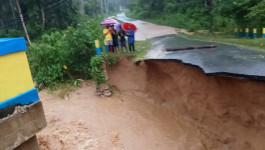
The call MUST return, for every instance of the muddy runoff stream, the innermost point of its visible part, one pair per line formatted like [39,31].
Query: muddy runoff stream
[158,105]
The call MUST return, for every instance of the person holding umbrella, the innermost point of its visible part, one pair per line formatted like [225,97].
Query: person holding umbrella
[108,37]
[108,31]
[130,34]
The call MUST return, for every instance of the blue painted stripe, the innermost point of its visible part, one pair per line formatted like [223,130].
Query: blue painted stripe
[254,35]
[106,48]
[25,98]
[12,45]
[98,51]
[247,34]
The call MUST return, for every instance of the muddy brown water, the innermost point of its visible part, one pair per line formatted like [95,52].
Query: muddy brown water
[158,106]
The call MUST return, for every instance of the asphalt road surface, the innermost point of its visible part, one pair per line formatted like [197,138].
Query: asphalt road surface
[225,60]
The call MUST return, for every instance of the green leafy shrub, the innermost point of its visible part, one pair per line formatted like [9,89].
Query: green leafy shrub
[97,70]
[62,56]
[46,63]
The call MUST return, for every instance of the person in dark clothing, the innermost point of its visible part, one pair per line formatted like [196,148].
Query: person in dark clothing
[115,39]
[130,34]
[123,40]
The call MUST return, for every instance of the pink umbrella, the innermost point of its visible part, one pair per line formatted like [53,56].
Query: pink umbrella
[116,22]
[107,21]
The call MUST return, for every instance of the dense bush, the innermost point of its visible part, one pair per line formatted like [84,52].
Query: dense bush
[97,70]
[61,56]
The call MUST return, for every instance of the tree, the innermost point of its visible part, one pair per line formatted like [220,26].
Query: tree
[256,14]
[42,8]
[209,4]
[13,13]
[22,21]
[41,16]
[82,11]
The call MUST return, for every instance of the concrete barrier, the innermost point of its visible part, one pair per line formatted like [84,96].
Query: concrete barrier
[21,126]
[21,112]
[16,85]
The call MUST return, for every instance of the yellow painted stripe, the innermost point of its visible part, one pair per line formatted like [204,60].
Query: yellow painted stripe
[96,43]
[15,76]
[236,29]
[254,30]
[247,29]
[263,31]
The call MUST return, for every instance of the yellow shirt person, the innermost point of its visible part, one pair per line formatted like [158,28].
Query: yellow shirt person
[107,33]
[108,38]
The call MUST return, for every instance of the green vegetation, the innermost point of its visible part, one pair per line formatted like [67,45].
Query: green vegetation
[188,22]
[47,16]
[97,62]
[63,31]
[97,70]
[62,34]
[221,15]
[141,49]
[65,55]
[42,16]
[258,44]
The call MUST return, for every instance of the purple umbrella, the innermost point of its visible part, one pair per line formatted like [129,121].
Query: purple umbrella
[118,26]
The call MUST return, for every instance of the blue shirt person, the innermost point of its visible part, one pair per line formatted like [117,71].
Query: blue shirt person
[130,34]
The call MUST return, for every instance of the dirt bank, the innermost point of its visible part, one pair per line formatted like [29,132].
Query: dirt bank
[126,121]
[158,106]
[217,113]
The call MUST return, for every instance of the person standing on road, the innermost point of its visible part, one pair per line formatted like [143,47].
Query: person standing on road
[130,34]
[108,37]
[123,40]
[115,39]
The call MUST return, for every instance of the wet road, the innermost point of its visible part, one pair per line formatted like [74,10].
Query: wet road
[226,60]
[147,30]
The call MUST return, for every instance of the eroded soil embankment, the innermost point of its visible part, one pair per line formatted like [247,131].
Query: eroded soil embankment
[222,112]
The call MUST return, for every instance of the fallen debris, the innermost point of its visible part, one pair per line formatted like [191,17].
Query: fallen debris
[191,48]
[103,90]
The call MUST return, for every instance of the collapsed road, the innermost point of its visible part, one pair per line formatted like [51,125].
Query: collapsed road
[167,102]
[226,60]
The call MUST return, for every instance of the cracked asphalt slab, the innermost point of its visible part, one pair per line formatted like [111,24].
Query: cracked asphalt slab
[226,60]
